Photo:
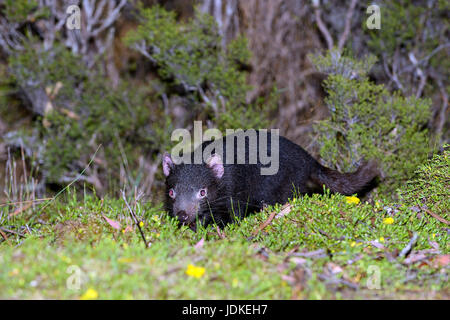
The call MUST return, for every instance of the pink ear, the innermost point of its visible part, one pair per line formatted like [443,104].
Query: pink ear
[215,163]
[167,164]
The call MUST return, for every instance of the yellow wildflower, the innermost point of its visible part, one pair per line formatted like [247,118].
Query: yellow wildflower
[125,260]
[352,244]
[357,277]
[90,294]
[352,199]
[141,224]
[388,220]
[193,271]
[381,239]
[66,259]
[14,272]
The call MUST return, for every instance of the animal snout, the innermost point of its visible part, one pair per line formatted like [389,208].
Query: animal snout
[182,216]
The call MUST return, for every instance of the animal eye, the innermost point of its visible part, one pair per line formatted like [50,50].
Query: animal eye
[171,193]
[202,193]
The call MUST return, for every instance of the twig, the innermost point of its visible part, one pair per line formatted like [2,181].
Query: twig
[323,28]
[20,202]
[424,61]
[4,237]
[133,216]
[406,250]
[442,118]
[20,210]
[12,232]
[348,24]
[394,71]
[221,235]
[320,253]
[265,224]
[434,215]
[349,284]
[285,209]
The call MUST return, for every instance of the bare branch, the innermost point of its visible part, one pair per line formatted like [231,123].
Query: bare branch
[348,24]
[323,29]
[136,221]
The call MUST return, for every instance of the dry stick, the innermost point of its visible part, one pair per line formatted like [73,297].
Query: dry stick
[323,29]
[406,250]
[443,109]
[348,23]
[265,224]
[434,215]
[133,216]
[12,232]
[25,201]
[20,210]
[349,284]
[221,235]
[285,209]
[4,237]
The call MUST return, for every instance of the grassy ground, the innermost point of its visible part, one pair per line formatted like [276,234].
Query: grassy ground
[320,247]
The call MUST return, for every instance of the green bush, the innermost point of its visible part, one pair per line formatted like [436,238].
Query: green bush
[77,109]
[403,23]
[191,55]
[412,45]
[22,10]
[430,187]
[83,113]
[368,122]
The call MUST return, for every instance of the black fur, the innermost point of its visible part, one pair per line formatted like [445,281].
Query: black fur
[243,190]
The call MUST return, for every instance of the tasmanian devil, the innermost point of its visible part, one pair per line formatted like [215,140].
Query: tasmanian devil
[235,179]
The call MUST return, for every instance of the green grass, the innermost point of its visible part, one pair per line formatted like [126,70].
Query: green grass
[324,248]
[118,266]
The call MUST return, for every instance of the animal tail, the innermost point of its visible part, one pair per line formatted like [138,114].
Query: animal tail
[346,183]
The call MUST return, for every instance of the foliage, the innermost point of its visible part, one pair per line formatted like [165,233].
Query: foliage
[83,113]
[412,45]
[403,24]
[368,122]
[192,56]
[22,10]
[430,187]
[77,109]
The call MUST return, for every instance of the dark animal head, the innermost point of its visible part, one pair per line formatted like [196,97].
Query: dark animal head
[190,189]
